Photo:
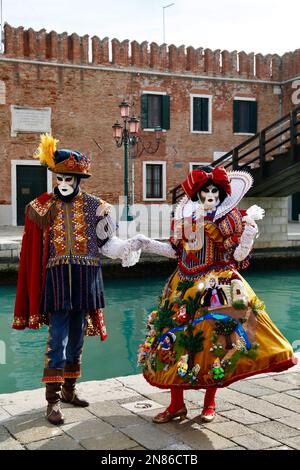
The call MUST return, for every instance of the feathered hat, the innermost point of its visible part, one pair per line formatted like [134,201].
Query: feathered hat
[64,161]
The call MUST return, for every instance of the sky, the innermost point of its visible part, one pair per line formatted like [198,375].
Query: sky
[266,26]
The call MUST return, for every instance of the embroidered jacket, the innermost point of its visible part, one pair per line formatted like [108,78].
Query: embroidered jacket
[72,232]
[44,217]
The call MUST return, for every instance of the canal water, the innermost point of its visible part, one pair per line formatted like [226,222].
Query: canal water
[128,303]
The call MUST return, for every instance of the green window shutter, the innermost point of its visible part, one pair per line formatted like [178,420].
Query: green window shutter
[253,116]
[196,114]
[165,112]
[236,116]
[204,114]
[144,111]
[200,114]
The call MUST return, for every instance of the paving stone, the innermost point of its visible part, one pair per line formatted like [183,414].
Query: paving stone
[149,436]
[249,388]
[281,448]
[294,393]
[162,398]
[293,379]
[111,389]
[74,414]
[276,385]
[10,444]
[243,416]
[228,429]
[178,446]
[195,415]
[235,448]
[3,415]
[264,408]
[255,441]
[56,443]
[204,439]
[139,384]
[293,420]
[87,429]
[138,448]
[115,414]
[275,429]
[231,396]
[293,442]
[29,428]
[195,396]
[140,406]
[113,441]
[284,400]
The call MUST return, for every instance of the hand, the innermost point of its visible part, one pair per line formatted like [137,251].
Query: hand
[138,242]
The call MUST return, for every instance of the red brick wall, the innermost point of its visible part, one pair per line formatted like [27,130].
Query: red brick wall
[84,101]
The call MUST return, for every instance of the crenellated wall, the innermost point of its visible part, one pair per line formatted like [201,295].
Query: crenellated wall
[74,49]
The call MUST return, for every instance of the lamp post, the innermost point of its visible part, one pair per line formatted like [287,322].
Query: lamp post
[128,135]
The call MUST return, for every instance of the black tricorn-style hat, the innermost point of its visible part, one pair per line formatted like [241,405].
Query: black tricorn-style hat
[64,161]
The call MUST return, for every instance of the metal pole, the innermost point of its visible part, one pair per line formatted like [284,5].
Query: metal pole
[126,213]
[164,31]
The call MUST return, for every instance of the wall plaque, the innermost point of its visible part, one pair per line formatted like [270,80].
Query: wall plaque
[25,119]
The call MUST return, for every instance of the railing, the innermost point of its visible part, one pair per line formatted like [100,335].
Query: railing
[257,151]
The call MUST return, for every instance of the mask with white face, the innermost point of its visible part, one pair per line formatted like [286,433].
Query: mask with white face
[66,184]
[209,197]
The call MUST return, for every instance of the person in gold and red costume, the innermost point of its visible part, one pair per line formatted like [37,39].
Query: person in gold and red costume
[220,329]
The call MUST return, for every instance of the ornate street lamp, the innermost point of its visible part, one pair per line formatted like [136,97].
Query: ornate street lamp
[128,135]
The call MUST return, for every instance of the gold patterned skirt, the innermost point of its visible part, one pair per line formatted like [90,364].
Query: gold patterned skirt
[211,332]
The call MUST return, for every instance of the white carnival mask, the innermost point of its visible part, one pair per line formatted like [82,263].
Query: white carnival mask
[66,184]
[210,197]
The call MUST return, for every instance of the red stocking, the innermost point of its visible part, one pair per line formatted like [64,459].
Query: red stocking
[176,400]
[209,399]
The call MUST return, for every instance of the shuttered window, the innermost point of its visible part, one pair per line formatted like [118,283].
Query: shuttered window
[200,114]
[244,116]
[154,181]
[155,111]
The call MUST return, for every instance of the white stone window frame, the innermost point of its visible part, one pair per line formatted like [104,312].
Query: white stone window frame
[164,180]
[14,164]
[2,92]
[191,164]
[201,95]
[145,92]
[244,98]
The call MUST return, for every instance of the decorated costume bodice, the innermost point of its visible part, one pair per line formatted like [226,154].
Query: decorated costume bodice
[214,248]
[72,236]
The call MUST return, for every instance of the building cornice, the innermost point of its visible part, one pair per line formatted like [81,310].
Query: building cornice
[141,71]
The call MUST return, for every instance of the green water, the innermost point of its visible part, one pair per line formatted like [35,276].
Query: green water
[128,303]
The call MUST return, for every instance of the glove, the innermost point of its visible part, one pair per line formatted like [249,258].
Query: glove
[246,242]
[152,246]
[116,248]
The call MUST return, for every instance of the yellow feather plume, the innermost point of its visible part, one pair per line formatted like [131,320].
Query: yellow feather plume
[46,149]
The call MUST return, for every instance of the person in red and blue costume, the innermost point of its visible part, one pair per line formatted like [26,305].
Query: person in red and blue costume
[60,280]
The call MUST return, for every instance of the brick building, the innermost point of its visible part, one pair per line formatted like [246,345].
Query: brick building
[206,102]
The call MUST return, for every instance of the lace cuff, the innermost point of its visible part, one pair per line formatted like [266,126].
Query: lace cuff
[160,248]
[246,243]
